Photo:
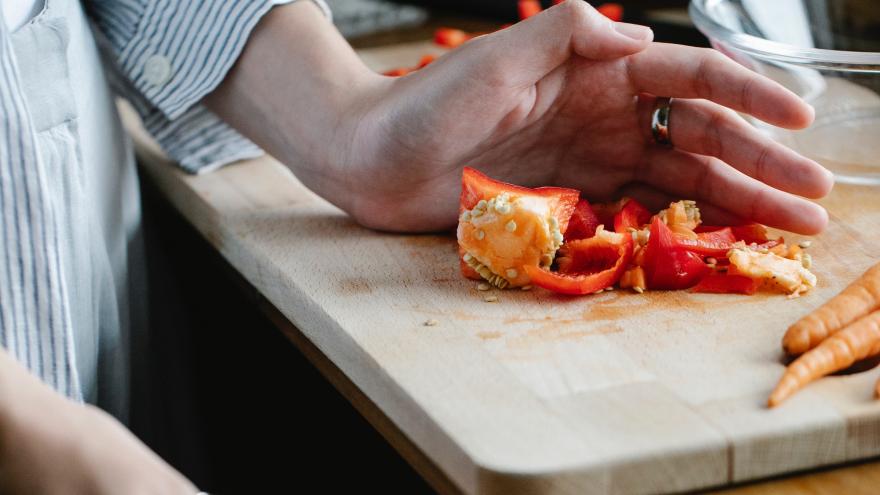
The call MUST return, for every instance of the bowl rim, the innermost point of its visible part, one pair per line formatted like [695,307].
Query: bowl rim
[766,49]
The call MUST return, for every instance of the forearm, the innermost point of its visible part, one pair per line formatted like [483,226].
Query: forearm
[290,91]
[23,397]
[18,387]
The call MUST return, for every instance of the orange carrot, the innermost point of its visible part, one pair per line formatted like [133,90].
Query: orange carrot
[858,299]
[855,342]
[877,390]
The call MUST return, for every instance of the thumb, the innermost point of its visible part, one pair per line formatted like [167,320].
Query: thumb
[543,42]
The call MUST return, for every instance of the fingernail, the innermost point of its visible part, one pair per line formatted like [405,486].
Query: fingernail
[634,31]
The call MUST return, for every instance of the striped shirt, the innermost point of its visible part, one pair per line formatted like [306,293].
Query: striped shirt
[163,56]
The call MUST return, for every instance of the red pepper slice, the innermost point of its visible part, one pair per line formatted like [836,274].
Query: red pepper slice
[668,265]
[425,60]
[586,265]
[475,186]
[716,243]
[748,233]
[450,38]
[632,215]
[583,222]
[528,8]
[613,11]
[397,72]
[717,283]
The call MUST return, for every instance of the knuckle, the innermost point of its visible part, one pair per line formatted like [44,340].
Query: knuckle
[761,163]
[581,14]
[703,179]
[714,135]
[746,94]
[702,81]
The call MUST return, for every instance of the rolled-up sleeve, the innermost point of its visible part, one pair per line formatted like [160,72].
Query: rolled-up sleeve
[167,55]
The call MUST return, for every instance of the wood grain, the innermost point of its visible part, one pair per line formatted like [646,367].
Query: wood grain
[615,393]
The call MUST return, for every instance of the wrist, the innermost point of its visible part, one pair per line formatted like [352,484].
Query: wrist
[334,163]
[295,91]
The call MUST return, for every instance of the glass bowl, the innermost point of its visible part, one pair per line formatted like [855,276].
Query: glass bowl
[826,51]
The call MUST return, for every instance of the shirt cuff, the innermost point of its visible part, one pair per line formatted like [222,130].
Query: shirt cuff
[181,52]
[178,54]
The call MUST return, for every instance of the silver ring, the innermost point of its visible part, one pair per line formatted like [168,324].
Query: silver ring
[660,121]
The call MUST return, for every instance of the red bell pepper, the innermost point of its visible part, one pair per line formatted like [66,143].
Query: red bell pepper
[528,8]
[716,243]
[632,215]
[613,11]
[426,60]
[717,283]
[583,222]
[586,265]
[476,186]
[669,265]
[397,72]
[748,233]
[450,38]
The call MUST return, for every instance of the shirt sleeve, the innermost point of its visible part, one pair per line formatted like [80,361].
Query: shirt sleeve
[166,56]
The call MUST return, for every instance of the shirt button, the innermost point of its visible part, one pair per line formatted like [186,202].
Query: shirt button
[157,70]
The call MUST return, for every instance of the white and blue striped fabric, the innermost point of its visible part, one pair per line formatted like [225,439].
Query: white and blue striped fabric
[196,43]
[200,39]
[34,316]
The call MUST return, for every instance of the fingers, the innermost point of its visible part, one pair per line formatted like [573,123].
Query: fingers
[688,72]
[531,49]
[709,179]
[702,127]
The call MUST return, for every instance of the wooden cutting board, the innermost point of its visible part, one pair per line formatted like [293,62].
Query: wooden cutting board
[611,393]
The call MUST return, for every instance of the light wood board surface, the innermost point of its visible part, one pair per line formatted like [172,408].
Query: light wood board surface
[615,393]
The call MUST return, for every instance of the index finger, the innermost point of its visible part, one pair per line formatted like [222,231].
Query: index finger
[689,72]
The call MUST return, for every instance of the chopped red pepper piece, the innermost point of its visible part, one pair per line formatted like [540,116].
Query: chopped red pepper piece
[749,233]
[613,11]
[583,222]
[586,265]
[771,243]
[716,243]
[450,38]
[397,72]
[528,8]
[717,283]
[425,60]
[607,211]
[475,186]
[528,240]
[632,215]
[668,265]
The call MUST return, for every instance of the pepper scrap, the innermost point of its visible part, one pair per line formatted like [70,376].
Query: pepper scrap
[669,265]
[450,37]
[528,8]
[716,243]
[724,283]
[631,216]
[587,266]
[503,228]
[583,222]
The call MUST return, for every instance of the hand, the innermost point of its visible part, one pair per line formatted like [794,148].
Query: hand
[563,98]
[51,445]
[555,100]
